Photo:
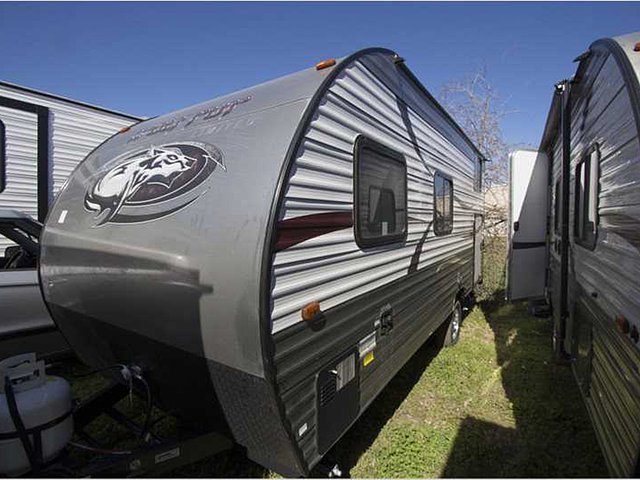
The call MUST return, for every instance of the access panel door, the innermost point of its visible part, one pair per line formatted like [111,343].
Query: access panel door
[528,192]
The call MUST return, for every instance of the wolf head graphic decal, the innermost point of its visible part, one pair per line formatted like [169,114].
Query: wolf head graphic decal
[151,183]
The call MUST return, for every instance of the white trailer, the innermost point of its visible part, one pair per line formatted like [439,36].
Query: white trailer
[42,139]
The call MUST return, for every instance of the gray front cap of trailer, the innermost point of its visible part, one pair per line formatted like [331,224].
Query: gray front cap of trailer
[211,248]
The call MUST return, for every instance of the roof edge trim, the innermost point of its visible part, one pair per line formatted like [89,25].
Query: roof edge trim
[69,100]
[442,110]
[628,74]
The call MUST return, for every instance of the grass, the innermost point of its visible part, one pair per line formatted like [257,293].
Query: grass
[495,405]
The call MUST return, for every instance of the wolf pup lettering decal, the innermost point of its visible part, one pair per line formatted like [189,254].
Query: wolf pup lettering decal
[152,183]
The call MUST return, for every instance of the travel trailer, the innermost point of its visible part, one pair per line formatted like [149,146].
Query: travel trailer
[42,139]
[575,237]
[268,260]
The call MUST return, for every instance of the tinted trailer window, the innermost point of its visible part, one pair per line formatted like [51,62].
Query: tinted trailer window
[381,193]
[443,204]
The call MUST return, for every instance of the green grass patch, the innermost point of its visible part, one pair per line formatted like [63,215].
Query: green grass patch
[493,406]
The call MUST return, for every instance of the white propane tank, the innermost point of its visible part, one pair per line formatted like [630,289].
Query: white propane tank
[44,407]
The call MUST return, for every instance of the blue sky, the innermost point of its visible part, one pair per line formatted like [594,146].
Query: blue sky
[152,58]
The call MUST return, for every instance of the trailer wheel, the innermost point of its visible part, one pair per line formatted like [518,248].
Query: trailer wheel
[449,332]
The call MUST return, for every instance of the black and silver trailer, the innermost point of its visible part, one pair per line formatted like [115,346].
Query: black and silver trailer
[271,258]
[575,237]
[42,139]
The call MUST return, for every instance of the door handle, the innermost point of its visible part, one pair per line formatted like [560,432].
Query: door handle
[386,319]
[516,226]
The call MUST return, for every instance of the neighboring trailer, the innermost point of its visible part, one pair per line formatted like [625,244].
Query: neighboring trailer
[591,151]
[271,258]
[42,139]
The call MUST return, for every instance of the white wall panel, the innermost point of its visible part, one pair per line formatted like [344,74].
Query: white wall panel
[74,131]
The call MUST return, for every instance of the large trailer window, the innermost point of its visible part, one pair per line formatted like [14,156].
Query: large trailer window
[3,156]
[380,192]
[443,204]
[586,198]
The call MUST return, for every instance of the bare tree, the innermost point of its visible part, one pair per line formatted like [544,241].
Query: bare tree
[479,110]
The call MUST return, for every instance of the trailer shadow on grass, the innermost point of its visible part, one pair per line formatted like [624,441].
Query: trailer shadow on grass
[552,436]
[522,418]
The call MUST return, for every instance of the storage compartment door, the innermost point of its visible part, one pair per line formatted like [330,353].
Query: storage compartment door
[338,396]
[528,191]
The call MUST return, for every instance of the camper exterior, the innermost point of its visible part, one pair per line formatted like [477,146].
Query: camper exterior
[42,139]
[587,173]
[271,258]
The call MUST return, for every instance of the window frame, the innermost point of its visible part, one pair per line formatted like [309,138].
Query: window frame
[438,232]
[580,217]
[363,142]
[478,168]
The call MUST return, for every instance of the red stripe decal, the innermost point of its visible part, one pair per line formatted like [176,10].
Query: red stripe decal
[296,230]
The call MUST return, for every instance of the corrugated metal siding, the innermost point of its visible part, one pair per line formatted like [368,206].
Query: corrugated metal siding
[334,268]
[373,98]
[20,192]
[75,130]
[602,114]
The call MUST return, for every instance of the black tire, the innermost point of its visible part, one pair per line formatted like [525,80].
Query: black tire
[449,332]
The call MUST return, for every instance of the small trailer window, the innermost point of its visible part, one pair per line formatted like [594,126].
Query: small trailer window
[443,204]
[477,183]
[381,194]
[586,198]
[3,156]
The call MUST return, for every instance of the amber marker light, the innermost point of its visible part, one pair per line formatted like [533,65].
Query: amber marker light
[125,129]
[636,47]
[310,311]
[325,64]
[622,324]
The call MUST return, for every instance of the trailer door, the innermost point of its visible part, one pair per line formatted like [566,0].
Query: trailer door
[528,191]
